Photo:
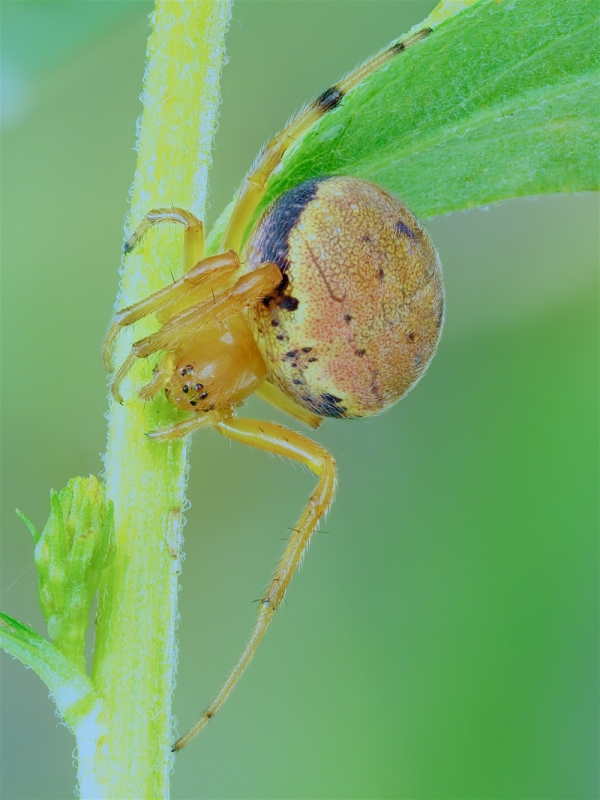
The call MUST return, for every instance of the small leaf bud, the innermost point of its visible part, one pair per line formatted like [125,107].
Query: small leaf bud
[77,543]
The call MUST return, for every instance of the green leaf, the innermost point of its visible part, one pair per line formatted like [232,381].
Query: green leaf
[500,101]
[68,683]
[32,529]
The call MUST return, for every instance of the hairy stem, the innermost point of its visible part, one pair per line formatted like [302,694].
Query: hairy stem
[135,657]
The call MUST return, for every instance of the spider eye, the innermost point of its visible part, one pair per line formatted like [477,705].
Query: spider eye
[186,388]
[199,386]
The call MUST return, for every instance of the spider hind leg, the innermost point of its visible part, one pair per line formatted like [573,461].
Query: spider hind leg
[280,441]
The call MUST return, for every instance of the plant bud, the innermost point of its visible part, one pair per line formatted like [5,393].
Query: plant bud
[77,543]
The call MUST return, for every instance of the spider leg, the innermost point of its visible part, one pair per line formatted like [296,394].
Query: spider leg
[186,426]
[160,377]
[193,251]
[275,439]
[249,289]
[271,394]
[271,156]
[211,274]
[193,238]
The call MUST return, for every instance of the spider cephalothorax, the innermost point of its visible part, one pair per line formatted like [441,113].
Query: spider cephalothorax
[333,307]
[218,368]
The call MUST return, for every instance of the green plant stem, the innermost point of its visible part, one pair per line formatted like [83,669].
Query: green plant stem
[135,656]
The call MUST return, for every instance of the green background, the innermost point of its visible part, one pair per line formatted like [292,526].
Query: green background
[441,639]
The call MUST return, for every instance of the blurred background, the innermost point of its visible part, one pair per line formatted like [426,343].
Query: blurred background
[441,639]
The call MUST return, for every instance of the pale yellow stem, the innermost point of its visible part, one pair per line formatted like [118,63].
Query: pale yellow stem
[135,657]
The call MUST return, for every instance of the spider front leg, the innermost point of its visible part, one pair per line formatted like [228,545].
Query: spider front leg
[193,251]
[186,426]
[280,441]
[212,275]
[193,238]
[249,289]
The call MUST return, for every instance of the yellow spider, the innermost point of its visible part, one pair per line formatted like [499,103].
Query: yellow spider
[332,307]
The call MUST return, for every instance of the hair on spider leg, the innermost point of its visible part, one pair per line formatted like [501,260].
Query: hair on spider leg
[294,530]
[261,600]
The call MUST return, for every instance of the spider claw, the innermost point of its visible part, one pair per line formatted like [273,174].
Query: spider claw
[115,390]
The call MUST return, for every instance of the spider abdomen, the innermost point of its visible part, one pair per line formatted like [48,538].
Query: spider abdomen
[358,314]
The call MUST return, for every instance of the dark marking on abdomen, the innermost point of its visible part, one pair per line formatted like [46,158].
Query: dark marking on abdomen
[288,303]
[402,228]
[271,240]
[327,405]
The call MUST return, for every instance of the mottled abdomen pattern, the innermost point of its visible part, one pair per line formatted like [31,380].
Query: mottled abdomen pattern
[358,314]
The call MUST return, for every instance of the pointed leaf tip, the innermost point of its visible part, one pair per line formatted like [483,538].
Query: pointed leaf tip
[32,529]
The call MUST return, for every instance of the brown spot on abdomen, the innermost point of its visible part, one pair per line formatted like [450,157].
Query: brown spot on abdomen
[404,230]
[288,303]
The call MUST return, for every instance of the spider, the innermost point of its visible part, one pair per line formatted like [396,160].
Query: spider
[331,307]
